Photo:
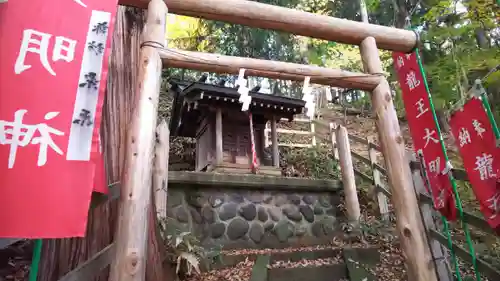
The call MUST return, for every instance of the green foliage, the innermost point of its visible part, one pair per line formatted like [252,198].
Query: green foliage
[377,228]
[459,48]
[316,162]
[462,42]
[185,250]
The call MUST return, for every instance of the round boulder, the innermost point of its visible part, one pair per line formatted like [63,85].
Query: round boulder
[324,200]
[228,211]
[237,228]
[318,210]
[274,213]
[268,226]
[216,200]
[248,211]
[310,199]
[195,215]
[307,212]
[294,199]
[283,230]
[208,214]
[217,230]
[237,198]
[256,232]
[262,214]
[292,212]
[181,215]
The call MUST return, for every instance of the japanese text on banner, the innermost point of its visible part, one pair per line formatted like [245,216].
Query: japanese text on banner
[477,145]
[54,60]
[425,135]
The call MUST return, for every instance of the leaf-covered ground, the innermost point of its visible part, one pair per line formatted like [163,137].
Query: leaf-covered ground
[15,261]
[390,268]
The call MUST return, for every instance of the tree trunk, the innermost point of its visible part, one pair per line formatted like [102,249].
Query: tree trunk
[156,267]
[60,256]
[442,120]
[481,38]
[402,13]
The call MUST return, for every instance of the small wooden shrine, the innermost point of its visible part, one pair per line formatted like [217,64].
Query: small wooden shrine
[213,115]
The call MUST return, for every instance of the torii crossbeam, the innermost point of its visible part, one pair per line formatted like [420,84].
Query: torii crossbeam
[269,69]
[255,14]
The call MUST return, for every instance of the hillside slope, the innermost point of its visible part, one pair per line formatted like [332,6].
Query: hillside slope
[364,127]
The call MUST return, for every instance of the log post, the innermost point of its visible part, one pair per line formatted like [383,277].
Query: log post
[218,136]
[377,182]
[274,142]
[409,223]
[263,142]
[132,230]
[372,152]
[348,179]
[440,260]
[266,135]
[333,140]
[155,271]
[364,11]
[313,134]
[160,180]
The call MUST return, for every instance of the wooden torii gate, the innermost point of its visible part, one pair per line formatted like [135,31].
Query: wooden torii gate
[131,237]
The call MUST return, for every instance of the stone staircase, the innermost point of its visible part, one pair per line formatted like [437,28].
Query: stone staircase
[300,264]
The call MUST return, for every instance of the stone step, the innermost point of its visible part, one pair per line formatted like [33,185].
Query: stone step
[323,265]
[318,265]
[231,260]
[259,269]
[302,264]
[366,255]
[357,267]
[305,255]
[332,272]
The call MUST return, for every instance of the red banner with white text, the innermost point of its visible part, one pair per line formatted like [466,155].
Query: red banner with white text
[476,142]
[54,58]
[426,138]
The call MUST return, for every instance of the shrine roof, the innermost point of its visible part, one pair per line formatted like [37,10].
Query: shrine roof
[193,98]
[197,88]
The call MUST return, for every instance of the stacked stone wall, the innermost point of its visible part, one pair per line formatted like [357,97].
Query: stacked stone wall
[236,218]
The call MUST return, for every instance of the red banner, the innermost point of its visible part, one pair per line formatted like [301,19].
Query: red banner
[426,139]
[100,181]
[52,81]
[476,142]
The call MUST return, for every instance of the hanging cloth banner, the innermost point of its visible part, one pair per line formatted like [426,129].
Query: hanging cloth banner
[425,135]
[54,58]
[255,163]
[477,145]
